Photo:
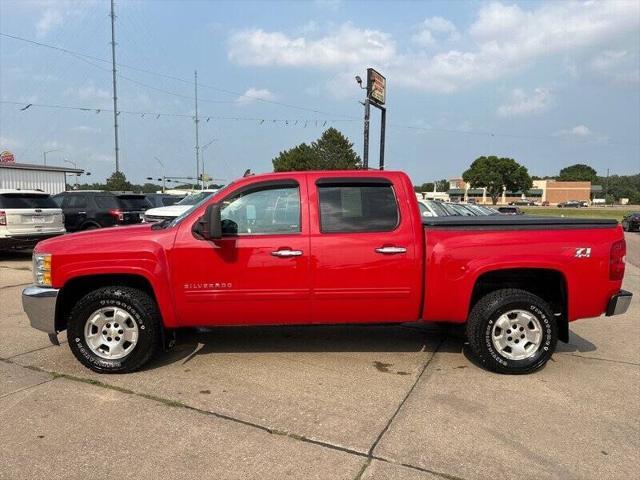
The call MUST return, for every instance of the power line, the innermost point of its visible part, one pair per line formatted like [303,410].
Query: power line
[301,122]
[172,77]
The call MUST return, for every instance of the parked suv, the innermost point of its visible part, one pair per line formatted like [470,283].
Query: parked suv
[28,216]
[87,210]
[158,200]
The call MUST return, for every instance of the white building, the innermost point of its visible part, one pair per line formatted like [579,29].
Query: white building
[26,176]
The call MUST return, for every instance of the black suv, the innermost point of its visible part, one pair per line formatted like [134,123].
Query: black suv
[86,210]
[163,199]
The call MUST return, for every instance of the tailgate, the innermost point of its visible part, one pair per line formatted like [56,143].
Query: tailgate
[23,221]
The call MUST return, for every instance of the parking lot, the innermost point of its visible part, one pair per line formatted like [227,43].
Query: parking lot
[383,402]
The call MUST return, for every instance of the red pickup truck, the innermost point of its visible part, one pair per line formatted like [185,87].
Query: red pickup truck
[326,247]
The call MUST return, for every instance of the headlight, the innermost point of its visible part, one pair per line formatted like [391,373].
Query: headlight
[42,269]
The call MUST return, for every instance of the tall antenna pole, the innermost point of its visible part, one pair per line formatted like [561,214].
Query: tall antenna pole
[115,94]
[197,137]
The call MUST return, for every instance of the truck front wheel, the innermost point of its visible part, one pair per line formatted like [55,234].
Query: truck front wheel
[114,329]
[512,331]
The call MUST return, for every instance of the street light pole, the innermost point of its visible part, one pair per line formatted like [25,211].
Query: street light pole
[203,148]
[44,154]
[163,176]
[74,166]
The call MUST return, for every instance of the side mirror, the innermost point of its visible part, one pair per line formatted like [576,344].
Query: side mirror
[209,226]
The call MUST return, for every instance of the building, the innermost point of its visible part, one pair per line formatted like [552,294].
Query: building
[556,192]
[26,176]
[551,191]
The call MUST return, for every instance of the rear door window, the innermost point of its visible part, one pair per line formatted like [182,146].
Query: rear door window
[357,207]
[134,202]
[106,201]
[26,200]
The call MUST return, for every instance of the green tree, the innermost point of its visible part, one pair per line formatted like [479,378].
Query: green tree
[442,185]
[495,174]
[332,151]
[301,157]
[425,187]
[148,188]
[578,173]
[118,182]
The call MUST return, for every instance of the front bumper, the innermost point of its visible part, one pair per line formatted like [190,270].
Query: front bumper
[619,303]
[39,303]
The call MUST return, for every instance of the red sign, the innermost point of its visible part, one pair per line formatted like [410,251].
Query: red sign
[7,157]
[376,86]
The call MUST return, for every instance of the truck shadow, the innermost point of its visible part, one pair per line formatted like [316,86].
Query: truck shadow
[191,343]
[576,344]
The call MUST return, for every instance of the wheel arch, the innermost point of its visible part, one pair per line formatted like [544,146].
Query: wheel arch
[548,284]
[77,287]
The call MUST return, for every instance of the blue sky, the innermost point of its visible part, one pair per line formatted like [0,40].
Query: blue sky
[547,83]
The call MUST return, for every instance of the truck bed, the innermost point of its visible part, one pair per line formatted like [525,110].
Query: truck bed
[517,222]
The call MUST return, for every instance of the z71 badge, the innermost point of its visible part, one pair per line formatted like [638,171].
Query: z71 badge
[583,252]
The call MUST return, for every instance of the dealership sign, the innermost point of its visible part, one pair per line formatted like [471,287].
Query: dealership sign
[7,157]
[376,86]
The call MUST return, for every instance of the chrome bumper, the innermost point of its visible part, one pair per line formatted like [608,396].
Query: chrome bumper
[619,303]
[39,303]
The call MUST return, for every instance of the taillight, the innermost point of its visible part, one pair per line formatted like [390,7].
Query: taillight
[616,260]
[3,217]
[117,214]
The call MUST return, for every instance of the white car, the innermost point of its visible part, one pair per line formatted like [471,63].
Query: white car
[172,211]
[28,216]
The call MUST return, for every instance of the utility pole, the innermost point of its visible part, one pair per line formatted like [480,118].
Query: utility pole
[197,135]
[365,153]
[115,94]
[606,188]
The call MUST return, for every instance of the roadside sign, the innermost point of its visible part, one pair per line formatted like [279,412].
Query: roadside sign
[7,157]
[376,86]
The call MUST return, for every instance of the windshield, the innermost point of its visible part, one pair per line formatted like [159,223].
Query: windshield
[201,198]
[194,198]
[26,200]
[130,202]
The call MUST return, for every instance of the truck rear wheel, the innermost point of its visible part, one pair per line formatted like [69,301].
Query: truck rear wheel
[114,329]
[512,331]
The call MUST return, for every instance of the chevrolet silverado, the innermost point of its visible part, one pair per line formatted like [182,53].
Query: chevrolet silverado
[326,248]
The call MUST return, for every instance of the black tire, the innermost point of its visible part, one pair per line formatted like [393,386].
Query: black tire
[143,311]
[90,226]
[481,324]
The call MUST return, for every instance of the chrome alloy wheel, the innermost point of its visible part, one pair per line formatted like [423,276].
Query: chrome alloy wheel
[111,333]
[517,334]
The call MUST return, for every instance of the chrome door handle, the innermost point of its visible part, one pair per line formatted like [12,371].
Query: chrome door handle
[287,253]
[82,213]
[391,250]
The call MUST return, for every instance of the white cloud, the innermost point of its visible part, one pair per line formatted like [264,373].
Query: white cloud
[503,39]
[345,46]
[89,92]
[432,28]
[85,129]
[7,143]
[520,103]
[616,66]
[49,20]
[254,94]
[582,133]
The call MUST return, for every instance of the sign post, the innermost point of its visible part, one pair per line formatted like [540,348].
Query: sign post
[376,96]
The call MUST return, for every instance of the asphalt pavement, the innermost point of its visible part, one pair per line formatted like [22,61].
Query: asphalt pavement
[381,402]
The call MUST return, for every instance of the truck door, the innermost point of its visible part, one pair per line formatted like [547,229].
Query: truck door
[258,273]
[365,265]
